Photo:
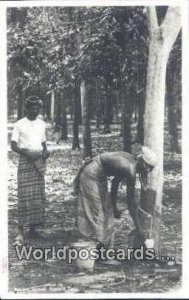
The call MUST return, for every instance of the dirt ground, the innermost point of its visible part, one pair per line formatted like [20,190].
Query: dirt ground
[54,276]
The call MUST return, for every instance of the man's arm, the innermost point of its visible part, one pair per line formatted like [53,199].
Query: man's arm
[113,195]
[132,203]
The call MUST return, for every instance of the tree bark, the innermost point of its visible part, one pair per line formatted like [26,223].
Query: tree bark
[126,130]
[20,103]
[75,141]
[173,95]
[52,105]
[141,98]
[63,117]
[98,110]
[107,112]
[58,113]
[127,109]
[141,110]
[87,151]
[161,41]
[64,134]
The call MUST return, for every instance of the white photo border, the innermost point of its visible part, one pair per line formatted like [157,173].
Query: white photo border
[184,291]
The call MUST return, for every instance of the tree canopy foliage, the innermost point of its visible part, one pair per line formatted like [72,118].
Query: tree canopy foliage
[53,47]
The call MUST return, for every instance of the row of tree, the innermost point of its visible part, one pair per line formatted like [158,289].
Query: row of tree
[87,55]
[98,55]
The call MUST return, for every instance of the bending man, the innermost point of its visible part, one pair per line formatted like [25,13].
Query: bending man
[96,210]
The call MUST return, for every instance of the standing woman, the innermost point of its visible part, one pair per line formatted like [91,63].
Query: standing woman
[29,141]
[96,210]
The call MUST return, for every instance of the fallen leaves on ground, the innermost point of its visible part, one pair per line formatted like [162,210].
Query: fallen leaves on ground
[60,229]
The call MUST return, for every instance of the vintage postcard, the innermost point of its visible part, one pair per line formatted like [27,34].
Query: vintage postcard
[94,144]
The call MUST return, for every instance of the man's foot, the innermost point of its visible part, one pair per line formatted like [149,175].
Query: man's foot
[19,240]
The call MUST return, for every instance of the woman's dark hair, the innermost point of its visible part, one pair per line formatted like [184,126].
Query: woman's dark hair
[32,101]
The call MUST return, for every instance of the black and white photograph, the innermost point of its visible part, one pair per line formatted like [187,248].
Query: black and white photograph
[94,105]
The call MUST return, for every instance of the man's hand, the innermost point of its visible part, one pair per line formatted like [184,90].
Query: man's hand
[149,243]
[113,195]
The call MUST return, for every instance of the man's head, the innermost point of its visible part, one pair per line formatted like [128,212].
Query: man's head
[32,106]
[148,158]
[146,162]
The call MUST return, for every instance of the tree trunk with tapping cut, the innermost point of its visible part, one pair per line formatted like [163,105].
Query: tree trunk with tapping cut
[162,39]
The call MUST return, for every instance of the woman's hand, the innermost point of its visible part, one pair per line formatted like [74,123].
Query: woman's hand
[32,154]
[45,153]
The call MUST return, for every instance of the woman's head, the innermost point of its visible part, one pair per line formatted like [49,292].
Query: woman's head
[146,162]
[32,106]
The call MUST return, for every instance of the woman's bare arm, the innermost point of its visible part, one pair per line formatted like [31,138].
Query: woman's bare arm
[33,155]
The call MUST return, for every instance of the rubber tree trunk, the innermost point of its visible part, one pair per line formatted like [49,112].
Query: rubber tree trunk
[58,112]
[64,134]
[53,106]
[141,78]
[116,106]
[107,112]
[86,131]
[173,95]
[141,110]
[75,141]
[127,110]
[48,106]
[20,103]
[98,108]
[161,41]
[63,121]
